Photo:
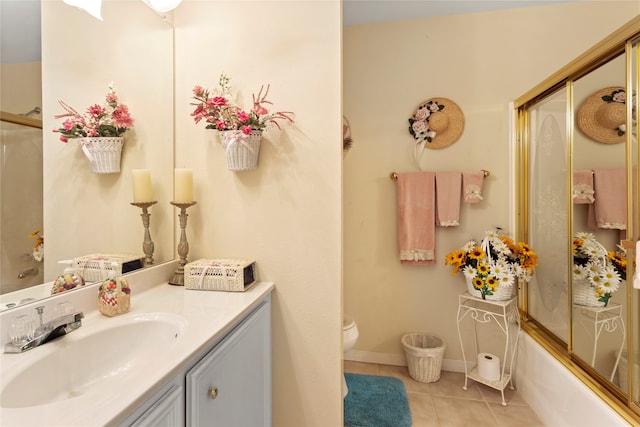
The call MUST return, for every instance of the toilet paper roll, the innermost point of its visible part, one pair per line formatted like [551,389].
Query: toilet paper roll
[489,366]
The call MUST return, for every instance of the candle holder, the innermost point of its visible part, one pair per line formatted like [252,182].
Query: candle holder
[147,244]
[183,245]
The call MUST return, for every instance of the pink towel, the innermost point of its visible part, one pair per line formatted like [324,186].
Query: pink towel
[448,186]
[416,218]
[583,187]
[610,206]
[472,184]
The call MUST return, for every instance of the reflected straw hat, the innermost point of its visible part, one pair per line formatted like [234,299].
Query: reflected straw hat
[437,122]
[603,114]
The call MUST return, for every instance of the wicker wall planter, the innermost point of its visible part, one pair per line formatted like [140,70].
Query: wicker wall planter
[242,150]
[103,153]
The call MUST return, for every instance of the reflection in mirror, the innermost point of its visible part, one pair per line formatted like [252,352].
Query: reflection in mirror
[629,371]
[547,292]
[600,218]
[83,212]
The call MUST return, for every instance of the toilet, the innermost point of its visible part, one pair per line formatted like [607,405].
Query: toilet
[349,338]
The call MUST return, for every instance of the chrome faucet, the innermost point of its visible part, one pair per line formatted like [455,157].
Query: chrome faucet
[45,332]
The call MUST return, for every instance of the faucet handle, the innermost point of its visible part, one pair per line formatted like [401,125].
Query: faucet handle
[22,329]
[64,308]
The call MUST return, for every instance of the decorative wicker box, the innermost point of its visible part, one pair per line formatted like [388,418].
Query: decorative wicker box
[95,267]
[235,275]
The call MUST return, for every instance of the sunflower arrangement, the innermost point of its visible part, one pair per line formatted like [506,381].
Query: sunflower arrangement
[601,269]
[494,262]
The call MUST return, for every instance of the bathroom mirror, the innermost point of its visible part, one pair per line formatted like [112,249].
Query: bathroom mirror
[577,205]
[83,212]
[599,220]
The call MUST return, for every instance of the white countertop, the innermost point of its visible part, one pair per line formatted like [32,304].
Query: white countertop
[208,314]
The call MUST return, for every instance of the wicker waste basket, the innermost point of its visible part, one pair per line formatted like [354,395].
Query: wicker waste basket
[424,356]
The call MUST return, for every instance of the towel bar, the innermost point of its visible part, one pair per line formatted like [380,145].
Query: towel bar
[394,175]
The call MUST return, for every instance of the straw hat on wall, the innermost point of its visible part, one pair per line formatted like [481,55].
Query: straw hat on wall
[437,122]
[602,116]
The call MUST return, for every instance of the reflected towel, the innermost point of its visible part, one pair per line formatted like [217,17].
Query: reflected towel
[472,184]
[583,187]
[610,206]
[448,188]
[416,218]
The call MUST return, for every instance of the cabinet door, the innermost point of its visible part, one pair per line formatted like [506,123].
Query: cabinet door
[231,385]
[167,411]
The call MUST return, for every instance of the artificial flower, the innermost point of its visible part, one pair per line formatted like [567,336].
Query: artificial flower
[219,112]
[603,270]
[109,120]
[497,261]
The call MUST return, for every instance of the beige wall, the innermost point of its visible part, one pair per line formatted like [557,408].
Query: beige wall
[482,62]
[286,214]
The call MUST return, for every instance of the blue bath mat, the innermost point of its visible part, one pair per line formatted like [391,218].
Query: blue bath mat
[375,401]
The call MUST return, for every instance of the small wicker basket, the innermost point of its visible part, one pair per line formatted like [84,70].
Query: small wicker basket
[95,267]
[585,294]
[242,150]
[104,153]
[235,275]
[424,354]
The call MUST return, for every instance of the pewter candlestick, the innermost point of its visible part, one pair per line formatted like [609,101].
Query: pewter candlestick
[183,245]
[147,245]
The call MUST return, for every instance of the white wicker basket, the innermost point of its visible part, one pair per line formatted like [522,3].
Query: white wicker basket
[242,150]
[502,294]
[236,275]
[103,153]
[424,354]
[585,294]
[95,267]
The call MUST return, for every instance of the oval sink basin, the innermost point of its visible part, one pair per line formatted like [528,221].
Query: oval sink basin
[82,360]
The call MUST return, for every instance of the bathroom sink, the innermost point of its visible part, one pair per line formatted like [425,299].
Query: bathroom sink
[83,360]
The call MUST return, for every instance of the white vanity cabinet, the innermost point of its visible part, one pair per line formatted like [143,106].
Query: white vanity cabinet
[231,385]
[227,385]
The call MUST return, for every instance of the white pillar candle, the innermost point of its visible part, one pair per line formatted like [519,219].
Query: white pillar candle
[141,186]
[183,186]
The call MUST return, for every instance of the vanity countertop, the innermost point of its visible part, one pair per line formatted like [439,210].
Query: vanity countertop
[208,314]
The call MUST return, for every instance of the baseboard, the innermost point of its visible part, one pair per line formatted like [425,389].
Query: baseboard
[395,359]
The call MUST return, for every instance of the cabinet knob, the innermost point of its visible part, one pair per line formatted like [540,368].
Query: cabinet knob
[213,392]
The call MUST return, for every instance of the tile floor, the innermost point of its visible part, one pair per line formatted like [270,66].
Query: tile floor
[445,404]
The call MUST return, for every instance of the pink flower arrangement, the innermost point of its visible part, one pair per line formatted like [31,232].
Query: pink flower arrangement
[108,120]
[219,111]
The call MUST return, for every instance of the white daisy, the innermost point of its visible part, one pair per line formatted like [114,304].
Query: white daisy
[498,269]
[501,247]
[468,247]
[607,286]
[593,250]
[579,272]
[506,280]
[582,235]
[610,274]
[592,268]
[469,272]
[595,279]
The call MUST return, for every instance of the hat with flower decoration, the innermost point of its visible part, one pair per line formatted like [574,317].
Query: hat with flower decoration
[437,123]
[602,116]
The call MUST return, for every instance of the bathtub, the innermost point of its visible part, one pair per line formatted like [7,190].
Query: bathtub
[555,394]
